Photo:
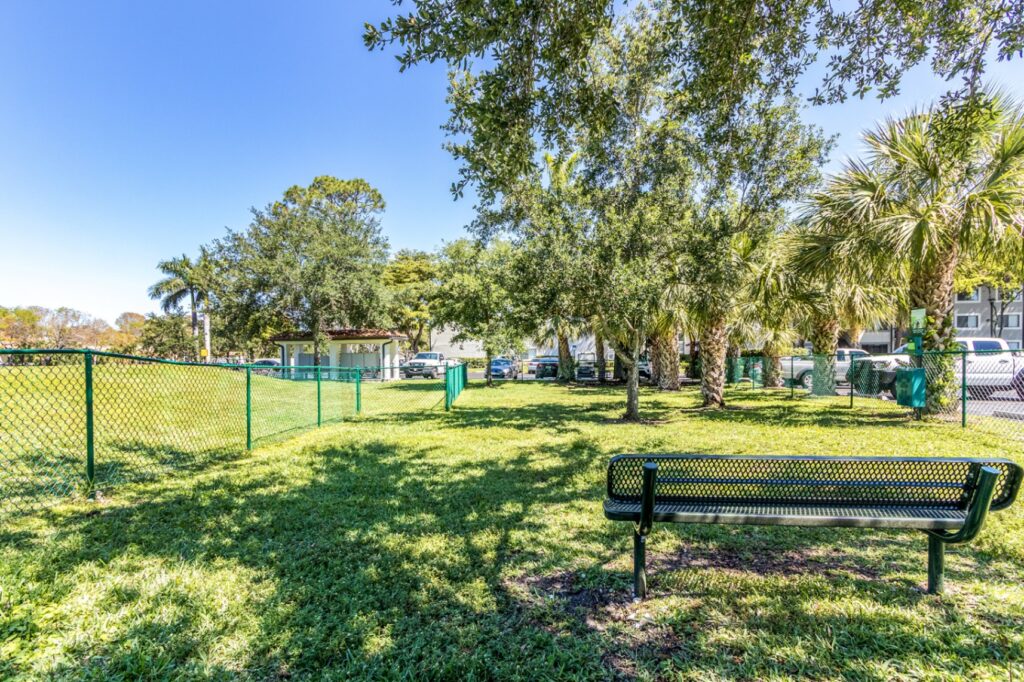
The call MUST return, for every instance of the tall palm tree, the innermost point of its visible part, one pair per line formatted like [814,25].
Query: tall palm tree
[934,187]
[185,280]
[937,185]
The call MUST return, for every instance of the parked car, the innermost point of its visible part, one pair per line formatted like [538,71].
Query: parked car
[991,366]
[547,367]
[801,368]
[586,367]
[266,367]
[504,368]
[531,366]
[643,368]
[428,365]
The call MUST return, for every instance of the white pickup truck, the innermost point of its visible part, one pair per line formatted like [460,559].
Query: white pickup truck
[426,365]
[991,366]
[801,367]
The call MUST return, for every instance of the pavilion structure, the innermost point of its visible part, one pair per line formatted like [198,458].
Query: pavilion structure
[362,348]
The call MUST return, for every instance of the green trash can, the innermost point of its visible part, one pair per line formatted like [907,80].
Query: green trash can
[911,386]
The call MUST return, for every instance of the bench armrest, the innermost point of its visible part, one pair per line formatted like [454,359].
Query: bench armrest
[977,511]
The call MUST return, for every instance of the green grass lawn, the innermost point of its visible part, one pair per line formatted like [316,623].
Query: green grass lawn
[472,545]
[153,418]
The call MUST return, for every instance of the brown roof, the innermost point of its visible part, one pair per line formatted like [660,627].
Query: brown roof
[342,335]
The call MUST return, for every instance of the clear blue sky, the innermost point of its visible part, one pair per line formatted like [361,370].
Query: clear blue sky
[131,132]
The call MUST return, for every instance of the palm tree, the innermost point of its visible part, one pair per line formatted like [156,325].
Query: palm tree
[937,186]
[185,280]
[934,188]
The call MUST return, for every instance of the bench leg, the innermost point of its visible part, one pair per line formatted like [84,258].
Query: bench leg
[639,565]
[936,565]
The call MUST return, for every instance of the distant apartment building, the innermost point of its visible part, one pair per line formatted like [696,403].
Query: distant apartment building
[983,312]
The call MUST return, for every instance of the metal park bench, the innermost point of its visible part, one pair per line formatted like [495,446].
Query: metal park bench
[948,499]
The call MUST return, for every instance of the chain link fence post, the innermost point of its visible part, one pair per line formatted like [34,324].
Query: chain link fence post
[963,389]
[90,435]
[248,407]
[319,409]
[792,377]
[359,392]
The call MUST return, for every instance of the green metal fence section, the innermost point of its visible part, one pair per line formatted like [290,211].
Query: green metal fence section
[455,379]
[981,390]
[78,422]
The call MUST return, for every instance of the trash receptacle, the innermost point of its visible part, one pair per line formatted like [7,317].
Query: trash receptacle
[911,386]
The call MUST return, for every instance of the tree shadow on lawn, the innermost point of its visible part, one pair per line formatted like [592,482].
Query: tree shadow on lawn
[392,561]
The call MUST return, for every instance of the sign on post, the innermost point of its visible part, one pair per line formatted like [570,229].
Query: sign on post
[917,320]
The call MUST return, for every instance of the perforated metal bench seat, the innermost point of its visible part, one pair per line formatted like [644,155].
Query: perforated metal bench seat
[920,518]
[947,498]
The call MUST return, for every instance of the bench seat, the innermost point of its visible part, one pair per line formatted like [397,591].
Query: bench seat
[922,518]
[947,499]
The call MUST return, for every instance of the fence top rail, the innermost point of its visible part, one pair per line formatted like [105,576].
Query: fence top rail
[228,365]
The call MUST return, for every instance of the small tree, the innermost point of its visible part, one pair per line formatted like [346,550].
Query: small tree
[474,296]
[411,279]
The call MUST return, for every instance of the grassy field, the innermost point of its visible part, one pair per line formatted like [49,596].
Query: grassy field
[153,418]
[472,545]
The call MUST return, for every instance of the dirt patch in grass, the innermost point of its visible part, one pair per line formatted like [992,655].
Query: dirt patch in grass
[561,602]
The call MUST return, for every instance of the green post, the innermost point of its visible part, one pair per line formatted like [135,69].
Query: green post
[319,410]
[447,390]
[963,389]
[248,407]
[359,392]
[90,449]
[792,377]
[851,374]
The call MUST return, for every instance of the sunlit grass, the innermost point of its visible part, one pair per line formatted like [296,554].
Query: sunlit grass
[472,544]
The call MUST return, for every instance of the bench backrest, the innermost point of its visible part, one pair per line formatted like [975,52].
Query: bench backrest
[870,481]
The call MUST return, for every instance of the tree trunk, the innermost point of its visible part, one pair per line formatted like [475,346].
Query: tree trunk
[655,343]
[599,359]
[772,367]
[195,325]
[565,373]
[666,350]
[487,367]
[713,342]
[825,341]
[206,334]
[855,334]
[931,288]
[633,390]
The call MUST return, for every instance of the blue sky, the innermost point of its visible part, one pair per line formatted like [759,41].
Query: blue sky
[131,132]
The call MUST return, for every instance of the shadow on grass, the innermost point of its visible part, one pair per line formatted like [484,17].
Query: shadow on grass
[388,561]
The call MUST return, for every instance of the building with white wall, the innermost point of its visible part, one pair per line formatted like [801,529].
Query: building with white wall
[365,348]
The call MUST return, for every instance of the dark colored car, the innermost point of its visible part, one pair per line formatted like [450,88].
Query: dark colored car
[547,368]
[504,368]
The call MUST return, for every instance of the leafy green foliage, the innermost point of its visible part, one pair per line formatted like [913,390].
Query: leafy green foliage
[411,279]
[522,72]
[475,298]
[311,261]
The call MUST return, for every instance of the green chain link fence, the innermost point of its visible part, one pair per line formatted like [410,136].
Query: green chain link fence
[75,422]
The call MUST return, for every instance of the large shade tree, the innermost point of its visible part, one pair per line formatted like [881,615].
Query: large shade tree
[475,298]
[310,261]
[523,69]
[411,279]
